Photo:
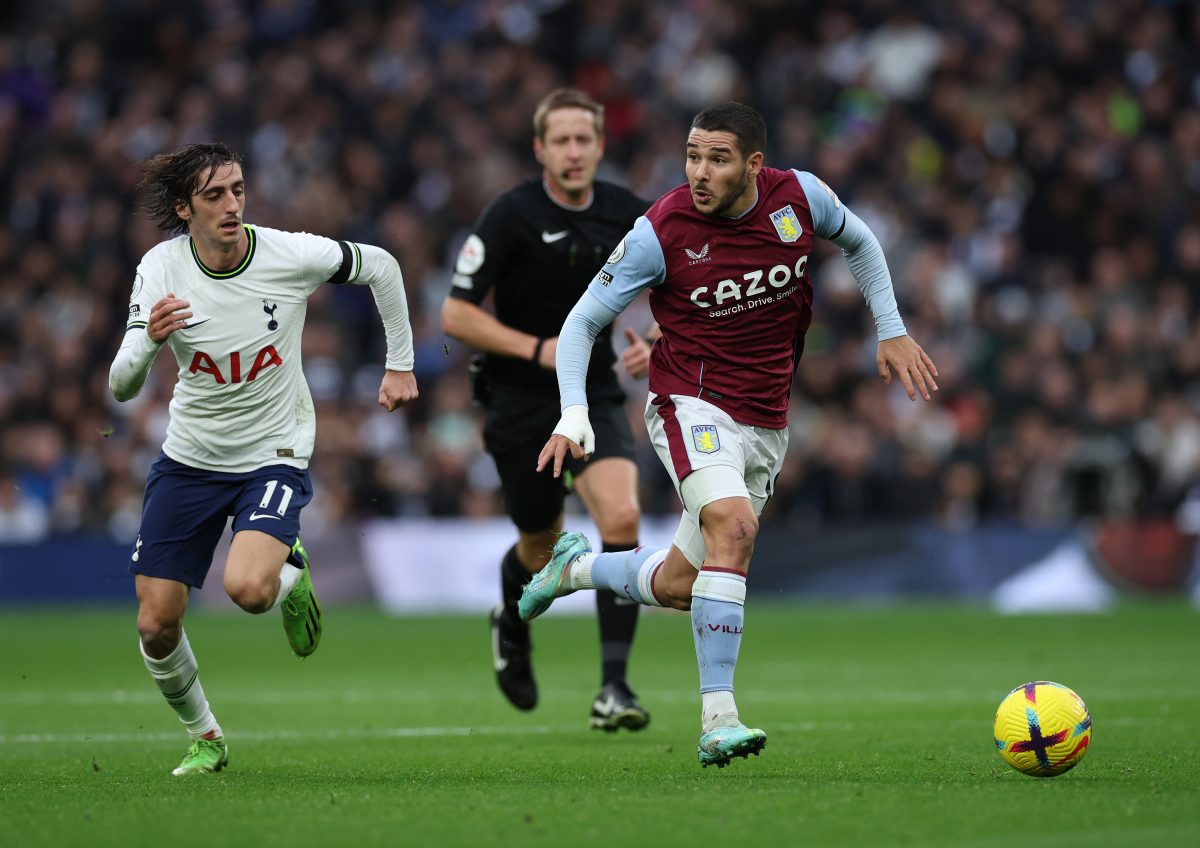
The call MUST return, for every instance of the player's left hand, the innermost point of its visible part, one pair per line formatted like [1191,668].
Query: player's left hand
[911,364]
[636,357]
[397,389]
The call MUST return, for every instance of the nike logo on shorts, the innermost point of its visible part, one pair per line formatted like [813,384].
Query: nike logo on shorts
[254,516]
[551,238]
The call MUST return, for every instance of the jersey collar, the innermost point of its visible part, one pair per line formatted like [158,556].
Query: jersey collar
[242,266]
[582,207]
[751,208]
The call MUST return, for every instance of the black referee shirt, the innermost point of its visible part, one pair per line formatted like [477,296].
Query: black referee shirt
[539,258]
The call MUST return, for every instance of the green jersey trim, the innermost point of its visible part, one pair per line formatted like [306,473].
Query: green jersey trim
[245,263]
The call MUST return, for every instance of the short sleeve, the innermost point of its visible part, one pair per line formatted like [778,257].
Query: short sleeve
[635,264]
[485,254]
[828,214]
[323,260]
[148,288]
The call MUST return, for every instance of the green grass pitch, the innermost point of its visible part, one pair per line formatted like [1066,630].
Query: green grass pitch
[879,724]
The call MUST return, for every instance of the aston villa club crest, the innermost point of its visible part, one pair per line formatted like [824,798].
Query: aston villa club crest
[786,224]
[705,439]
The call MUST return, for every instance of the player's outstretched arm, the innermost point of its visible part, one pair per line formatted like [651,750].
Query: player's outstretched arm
[573,353]
[381,272]
[912,364]
[132,363]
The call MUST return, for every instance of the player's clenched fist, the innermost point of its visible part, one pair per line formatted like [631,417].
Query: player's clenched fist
[397,389]
[166,317]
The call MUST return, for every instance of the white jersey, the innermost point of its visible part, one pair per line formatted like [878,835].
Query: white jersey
[241,401]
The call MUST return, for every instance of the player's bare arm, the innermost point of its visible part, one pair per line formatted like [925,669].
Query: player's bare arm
[912,364]
[167,316]
[397,389]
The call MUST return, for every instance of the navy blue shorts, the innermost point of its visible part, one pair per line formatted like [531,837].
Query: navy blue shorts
[517,426]
[185,510]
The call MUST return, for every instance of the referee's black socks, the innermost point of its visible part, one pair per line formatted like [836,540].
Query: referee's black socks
[618,621]
[513,578]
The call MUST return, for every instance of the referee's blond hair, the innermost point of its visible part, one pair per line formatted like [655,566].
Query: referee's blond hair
[566,98]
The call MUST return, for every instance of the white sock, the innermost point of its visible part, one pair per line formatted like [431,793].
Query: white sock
[717,709]
[178,678]
[288,575]
[579,576]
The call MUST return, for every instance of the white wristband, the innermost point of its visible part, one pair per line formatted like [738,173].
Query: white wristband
[574,424]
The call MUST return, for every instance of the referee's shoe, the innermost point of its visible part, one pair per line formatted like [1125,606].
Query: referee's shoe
[615,707]
[511,647]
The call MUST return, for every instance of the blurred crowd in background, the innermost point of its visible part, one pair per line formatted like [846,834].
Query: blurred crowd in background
[1032,170]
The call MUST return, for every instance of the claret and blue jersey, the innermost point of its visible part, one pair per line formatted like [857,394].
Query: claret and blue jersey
[733,296]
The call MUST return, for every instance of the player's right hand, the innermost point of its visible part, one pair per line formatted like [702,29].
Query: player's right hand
[636,357]
[166,317]
[574,433]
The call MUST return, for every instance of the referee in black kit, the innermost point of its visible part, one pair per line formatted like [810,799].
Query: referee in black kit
[536,247]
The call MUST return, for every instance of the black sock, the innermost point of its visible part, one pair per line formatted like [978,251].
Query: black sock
[513,578]
[618,621]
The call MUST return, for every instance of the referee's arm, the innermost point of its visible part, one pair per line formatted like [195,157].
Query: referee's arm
[474,325]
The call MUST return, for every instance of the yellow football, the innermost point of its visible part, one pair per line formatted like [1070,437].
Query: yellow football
[1042,729]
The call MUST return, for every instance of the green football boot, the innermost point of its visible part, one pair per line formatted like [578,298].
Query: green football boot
[722,744]
[204,756]
[302,618]
[549,583]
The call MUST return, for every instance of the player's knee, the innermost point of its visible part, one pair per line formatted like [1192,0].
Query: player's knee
[251,594]
[620,523]
[160,631]
[730,538]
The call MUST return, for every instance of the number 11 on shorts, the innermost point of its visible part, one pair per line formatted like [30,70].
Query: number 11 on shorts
[270,493]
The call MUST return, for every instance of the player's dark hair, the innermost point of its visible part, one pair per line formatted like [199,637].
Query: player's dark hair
[170,179]
[566,98]
[744,122]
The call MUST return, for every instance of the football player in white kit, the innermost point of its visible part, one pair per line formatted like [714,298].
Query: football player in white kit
[229,299]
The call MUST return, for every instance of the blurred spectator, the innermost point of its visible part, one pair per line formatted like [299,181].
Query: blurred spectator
[1033,171]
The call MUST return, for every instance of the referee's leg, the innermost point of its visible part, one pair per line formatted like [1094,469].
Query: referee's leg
[608,488]
[535,504]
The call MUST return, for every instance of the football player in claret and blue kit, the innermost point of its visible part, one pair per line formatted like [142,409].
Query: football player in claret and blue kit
[229,300]
[725,259]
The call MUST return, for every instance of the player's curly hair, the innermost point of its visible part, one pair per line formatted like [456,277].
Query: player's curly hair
[743,121]
[170,179]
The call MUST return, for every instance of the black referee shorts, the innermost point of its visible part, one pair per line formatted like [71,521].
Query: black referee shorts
[517,427]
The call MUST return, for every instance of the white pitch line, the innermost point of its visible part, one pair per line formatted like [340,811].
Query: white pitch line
[797,693]
[276,735]
[427,732]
